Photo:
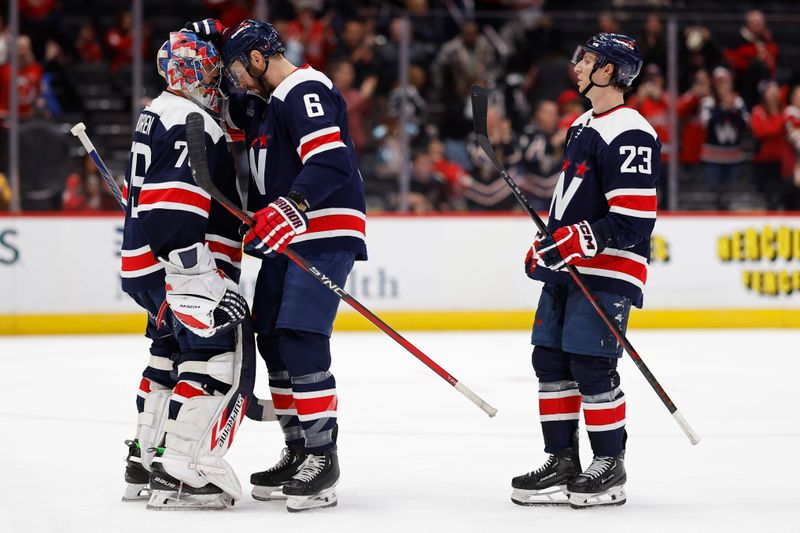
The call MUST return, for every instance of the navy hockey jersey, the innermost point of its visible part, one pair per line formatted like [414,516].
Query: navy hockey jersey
[164,207]
[608,177]
[299,142]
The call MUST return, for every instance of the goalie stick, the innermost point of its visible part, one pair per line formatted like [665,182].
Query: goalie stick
[79,131]
[480,103]
[195,136]
[257,409]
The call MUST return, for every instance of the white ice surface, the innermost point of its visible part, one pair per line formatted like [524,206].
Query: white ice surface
[415,454]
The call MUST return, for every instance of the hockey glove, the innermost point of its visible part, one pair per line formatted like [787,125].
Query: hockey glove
[276,226]
[567,244]
[533,255]
[207,29]
[201,297]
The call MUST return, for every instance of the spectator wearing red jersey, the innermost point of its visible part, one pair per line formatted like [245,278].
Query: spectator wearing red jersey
[315,35]
[792,116]
[769,129]
[693,131]
[119,40]
[754,58]
[87,46]
[29,80]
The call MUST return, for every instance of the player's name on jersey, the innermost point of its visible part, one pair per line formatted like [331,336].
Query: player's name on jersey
[145,123]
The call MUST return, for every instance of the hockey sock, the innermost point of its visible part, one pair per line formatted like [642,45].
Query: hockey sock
[559,412]
[605,422]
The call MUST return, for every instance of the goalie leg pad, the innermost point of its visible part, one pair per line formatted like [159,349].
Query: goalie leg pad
[201,426]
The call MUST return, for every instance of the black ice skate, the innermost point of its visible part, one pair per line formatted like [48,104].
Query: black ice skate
[314,486]
[268,485]
[603,483]
[547,484]
[136,476]
[169,493]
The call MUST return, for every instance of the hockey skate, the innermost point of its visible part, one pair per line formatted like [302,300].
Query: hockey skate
[314,486]
[268,485]
[169,493]
[603,483]
[136,476]
[547,484]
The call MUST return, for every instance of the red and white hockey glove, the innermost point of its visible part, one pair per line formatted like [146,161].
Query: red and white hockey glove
[533,255]
[276,226]
[201,297]
[567,244]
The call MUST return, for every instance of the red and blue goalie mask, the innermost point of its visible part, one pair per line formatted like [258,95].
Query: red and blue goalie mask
[191,66]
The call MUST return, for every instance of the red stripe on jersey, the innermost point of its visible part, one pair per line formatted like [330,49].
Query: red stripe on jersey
[187,391]
[235,253]
[177,196]
[138,262]
[559,406]
[316,142]
[337,222]
[639,203]
[615,263]
[309,406]
[125,191]
[602,417]
[283,401]
[144,385]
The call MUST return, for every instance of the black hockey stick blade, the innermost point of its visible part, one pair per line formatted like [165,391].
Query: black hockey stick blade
[198,160]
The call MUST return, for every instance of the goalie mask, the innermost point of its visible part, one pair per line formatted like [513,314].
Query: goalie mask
[191,66]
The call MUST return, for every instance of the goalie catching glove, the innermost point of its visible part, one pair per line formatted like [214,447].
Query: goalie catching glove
[567,244]
[276,226]
[201,297]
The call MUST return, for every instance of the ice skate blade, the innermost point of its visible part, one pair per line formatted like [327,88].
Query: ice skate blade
[135,492]
[267,494]
[326,498]
[550,496]
[171,500]
[613,496]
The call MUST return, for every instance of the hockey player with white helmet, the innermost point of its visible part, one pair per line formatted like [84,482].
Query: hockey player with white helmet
[181,257]
[600,221]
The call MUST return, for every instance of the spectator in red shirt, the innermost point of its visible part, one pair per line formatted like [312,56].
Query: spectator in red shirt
[316,36]
[755,58]
[87,46]
[769,129]
[792,116]
[692,128]
[119,40]
[29,76]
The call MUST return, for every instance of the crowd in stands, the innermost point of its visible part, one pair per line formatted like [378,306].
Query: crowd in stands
[738,102]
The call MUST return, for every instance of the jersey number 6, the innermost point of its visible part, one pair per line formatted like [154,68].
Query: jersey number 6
[645,151]
[313,107]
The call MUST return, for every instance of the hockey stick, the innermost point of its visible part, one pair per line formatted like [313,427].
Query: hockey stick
[480,103]
[79,131]
[257,409]
[195,136]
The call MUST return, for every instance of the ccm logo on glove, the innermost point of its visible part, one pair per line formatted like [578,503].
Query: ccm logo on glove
[567,244]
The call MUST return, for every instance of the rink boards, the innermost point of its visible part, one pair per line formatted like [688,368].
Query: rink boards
[59,274]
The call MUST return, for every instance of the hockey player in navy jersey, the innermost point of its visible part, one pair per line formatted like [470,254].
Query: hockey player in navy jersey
[181,257]
[600,221]
[306,191]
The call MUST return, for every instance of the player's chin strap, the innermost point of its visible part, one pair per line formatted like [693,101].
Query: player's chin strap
[592,83]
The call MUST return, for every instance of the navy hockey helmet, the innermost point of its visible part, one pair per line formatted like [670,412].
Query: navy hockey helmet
[617,49]
[250,35]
